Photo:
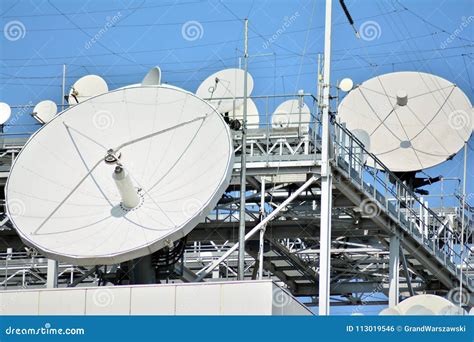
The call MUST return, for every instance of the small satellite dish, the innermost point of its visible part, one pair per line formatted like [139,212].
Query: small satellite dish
[390,312]
[45,111]
[87,87]
[346,84]
[228,83]
[452,310]
[425,304]
[419,310]
[415,120]
[290,113]
[153,77]
[5,112]
[253,118]
[113,185]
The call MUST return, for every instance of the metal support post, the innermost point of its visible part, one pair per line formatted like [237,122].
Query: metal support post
[204,272]
[261,245]
[394,272]
[241,264]
[52,274]
[326,177]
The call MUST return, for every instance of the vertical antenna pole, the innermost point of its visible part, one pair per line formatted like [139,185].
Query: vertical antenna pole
[462,222]
[241,266]
[63,87]
[326,177]
[261,246]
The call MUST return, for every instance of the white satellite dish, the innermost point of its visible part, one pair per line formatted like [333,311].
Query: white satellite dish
[412,118]
[153,77]
[253,118]
[121,175]
[346,84]
[228,83]
[390,312]
[87,87]
[290,113]
[45,111]
[5,112]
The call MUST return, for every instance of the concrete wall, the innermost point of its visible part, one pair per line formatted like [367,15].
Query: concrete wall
[222,298]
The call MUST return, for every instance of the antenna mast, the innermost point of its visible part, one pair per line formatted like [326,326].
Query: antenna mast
[241,266]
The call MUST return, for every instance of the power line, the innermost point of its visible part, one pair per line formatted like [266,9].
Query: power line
[100,11]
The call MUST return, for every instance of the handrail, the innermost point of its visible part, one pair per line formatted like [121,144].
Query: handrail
[401,186]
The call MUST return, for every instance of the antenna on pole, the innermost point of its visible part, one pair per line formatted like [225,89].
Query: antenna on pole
[349,17]
[241,266]
[326,177]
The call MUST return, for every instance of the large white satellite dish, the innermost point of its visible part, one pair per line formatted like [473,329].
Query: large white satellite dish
[414,119]
[228,83]
[5,112]
[45,111]
[121,175]
[291,113]
[87,87]
[253,118]
[153,77]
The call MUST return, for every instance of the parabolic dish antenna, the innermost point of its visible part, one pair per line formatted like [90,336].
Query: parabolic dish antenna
[290,114]
[87,87]
[228,83]
[346,84]
[253,118]
[153,77]
[45,111]
[415,120]
[5,112]
[121,175]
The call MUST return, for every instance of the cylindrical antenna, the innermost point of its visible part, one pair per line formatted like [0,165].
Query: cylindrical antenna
[129,194]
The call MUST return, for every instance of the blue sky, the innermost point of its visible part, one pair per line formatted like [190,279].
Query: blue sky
[191,39]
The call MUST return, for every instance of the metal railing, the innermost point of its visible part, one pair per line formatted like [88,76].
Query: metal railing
[390,194]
